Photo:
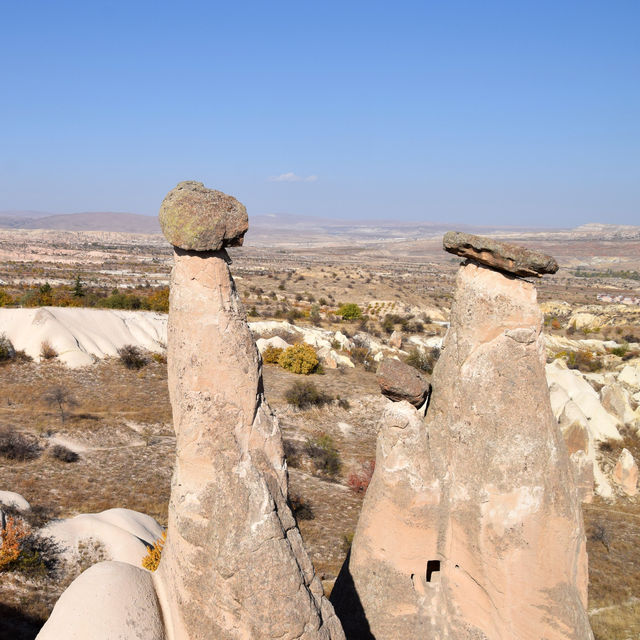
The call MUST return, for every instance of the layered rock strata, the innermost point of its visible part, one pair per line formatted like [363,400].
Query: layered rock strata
[233,565]
[471,527]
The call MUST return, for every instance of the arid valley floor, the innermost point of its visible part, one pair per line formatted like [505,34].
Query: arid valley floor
[117,420]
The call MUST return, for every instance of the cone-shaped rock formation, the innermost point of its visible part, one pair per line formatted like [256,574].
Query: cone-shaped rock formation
[471,527]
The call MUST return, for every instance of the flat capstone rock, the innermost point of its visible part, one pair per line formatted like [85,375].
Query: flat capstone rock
[510,258]
[398,381]
[195,218]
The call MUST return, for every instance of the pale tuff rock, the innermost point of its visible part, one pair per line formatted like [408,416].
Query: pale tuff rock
[506,257]
[616,400]
[625,473]
[233,565]
[395,340]
[471,528]
[109,600]
[15,501]
[630,376]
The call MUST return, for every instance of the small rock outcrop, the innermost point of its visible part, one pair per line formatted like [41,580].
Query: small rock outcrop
[109,600]
[506,257]
[399,381]
[233,565]
[625,473]
[471,528]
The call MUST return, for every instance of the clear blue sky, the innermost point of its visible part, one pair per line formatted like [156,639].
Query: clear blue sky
[511,112]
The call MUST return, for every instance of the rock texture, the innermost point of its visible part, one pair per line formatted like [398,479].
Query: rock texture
[233,565]
[499,255]
[471,528]
[625,473]
[195,218]
[398,381]
[109,600]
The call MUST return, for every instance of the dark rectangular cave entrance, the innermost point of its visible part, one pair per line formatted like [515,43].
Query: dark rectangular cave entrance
[433,567]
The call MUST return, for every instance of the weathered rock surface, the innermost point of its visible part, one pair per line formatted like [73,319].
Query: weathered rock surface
[471,528]
[233,565]
[195,218]
[399,381]
[499,255]
[109,600]
[625,473]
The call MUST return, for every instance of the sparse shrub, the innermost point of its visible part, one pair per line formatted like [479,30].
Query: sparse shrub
[343,403]
[324,455]
[7,352]
[271,354]
[388,325]
[160,358]
[13,533]
[583,361]
[423,360]
[17,446]
[47,352]
[347,541]
[131,357]
[358,481]
[62,453]
[620,351]
[314,314]
[291,453]
[600,533]
[350,311]
[301,508]
[299,358]
[305,394]
[60,397]
[152,559]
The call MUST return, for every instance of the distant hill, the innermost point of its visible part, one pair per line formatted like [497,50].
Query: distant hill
[88,221]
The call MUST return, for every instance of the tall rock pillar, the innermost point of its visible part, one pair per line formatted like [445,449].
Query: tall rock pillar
[472,528]
[233,566]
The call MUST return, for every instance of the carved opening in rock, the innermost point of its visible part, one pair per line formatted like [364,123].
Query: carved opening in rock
[433,566]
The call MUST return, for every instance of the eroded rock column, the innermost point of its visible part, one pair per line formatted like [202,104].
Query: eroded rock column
[471,528]
[234,565]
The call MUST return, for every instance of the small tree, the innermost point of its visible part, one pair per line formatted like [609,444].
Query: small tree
[78,289]
[60,397]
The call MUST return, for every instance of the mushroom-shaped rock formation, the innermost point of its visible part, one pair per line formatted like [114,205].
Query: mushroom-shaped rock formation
[506,257]
[233,565]
[472,528]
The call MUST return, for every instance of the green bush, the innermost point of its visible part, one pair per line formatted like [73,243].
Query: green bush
[350,311]
[299,358]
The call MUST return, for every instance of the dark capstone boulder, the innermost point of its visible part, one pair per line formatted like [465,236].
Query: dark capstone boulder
[195,218]
[399,381]
[510,258]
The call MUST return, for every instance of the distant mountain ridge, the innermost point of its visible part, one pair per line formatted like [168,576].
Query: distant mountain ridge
[86,221]
[291,230]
